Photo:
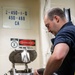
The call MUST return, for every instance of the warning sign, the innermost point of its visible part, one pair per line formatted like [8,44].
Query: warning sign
[28,44]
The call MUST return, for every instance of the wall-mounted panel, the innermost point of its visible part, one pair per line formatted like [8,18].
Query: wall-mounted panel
[16,18]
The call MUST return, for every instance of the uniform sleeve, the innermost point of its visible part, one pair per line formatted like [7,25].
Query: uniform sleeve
[64,37]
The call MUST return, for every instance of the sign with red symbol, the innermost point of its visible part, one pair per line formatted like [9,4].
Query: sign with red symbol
[26,42]
[29,44]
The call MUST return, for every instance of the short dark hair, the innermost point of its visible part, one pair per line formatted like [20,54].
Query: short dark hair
[56,11]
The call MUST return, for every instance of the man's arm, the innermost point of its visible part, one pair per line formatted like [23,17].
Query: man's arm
[57,58]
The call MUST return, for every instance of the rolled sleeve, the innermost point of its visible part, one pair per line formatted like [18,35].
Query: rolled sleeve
[64,38]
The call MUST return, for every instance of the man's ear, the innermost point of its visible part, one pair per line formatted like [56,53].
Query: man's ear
[56,18]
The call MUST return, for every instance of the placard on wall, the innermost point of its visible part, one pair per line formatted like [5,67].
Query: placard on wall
[28,44]
[16,18]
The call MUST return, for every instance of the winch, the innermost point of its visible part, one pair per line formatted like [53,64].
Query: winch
[22,57]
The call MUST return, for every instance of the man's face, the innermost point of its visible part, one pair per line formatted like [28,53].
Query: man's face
[50,25]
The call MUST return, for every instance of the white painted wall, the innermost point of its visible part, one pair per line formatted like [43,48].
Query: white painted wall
[32,33]
[45,39]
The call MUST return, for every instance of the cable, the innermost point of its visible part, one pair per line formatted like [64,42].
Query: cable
[46,2]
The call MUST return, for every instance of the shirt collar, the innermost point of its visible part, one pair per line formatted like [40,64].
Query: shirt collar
[66,24]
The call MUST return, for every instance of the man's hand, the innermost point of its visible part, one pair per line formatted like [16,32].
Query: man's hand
[36,72]
[39,71]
